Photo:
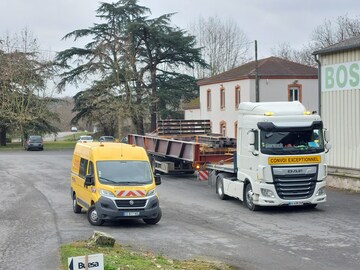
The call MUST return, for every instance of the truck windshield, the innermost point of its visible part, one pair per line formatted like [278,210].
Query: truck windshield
[124,172]
[287,142]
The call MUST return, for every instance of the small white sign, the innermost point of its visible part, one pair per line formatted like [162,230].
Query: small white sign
[93,262]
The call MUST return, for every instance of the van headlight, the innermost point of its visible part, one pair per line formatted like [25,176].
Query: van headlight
[106,193]
[151,192]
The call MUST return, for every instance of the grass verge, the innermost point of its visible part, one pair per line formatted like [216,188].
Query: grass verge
[58,145]
[119,257]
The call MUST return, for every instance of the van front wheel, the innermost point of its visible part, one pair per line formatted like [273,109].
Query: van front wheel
[76,207]
[153,221]
[93,217]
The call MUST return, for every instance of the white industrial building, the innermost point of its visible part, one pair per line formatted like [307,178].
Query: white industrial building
[340,108]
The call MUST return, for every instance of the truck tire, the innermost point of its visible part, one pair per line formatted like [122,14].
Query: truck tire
[220,187]
[93,217]
[248,198]
[310,206]
[76,207]
[153,164]
[153,221]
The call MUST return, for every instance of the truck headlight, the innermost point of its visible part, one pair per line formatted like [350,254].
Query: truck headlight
[320,192]
[106,193]
[151,192]
[267,193]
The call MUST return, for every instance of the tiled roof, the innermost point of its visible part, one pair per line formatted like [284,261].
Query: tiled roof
[272,67]
[348,44]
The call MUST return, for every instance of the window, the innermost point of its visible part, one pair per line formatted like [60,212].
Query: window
[83,167]
[295,92]
[208,99]
[237,96]
[235,129]
[222,98]
[120,172]
[223,128]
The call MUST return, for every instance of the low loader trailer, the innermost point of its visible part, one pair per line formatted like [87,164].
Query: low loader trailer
[277,159]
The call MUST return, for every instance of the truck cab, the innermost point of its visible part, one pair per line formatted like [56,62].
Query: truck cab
[280,157]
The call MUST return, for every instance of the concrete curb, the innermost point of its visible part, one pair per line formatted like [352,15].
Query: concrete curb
[344,180]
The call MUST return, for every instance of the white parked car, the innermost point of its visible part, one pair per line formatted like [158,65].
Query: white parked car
[86,138]
[73,129]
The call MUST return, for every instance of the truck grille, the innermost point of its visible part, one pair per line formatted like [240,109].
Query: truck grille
[292,183]
[130,203]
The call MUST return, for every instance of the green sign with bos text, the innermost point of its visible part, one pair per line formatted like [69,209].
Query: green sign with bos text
[345,76]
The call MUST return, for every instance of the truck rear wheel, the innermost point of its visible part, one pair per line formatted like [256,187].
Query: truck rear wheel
[249,199]
[220,187]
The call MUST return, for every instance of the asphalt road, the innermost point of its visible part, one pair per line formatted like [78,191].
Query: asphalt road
[36,217]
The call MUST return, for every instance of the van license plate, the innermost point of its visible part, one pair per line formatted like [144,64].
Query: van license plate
[131,214]
[295,203]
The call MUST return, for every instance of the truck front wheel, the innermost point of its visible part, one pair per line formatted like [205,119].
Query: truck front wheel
[249,198]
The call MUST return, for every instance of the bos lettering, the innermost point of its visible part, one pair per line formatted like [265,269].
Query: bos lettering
[341,76]
[90,265]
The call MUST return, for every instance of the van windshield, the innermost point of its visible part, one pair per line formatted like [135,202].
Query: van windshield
[124,172]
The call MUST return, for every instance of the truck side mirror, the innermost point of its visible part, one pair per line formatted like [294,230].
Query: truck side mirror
[157,179]
[251,137]
[251,148]
[89,180]
[326,135]
[328,146]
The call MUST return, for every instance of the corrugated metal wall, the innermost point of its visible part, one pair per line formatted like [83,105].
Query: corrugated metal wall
[341,115]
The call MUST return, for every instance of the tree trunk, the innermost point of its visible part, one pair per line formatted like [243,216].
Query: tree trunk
[3,136]
[153,107]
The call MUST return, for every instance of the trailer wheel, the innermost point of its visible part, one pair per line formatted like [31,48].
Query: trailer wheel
[220,187]
[249,199]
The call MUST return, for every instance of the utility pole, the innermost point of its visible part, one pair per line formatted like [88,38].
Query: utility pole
[257,90]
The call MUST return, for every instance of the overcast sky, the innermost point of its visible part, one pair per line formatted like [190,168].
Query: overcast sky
[270,22]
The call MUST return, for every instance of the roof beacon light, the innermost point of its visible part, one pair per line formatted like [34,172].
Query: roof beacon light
[269,113]
[307,112]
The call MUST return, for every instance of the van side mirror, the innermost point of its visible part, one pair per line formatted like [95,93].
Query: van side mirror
[157,179]
[89,180]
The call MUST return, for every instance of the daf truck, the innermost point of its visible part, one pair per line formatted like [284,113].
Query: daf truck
[280,157]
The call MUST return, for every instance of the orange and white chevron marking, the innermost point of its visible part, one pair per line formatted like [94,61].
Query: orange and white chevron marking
[131,193]
[203,175]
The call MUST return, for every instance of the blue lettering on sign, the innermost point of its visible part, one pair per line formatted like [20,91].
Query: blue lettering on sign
[90,265]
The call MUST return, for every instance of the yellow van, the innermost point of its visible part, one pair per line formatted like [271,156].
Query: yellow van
[114,181]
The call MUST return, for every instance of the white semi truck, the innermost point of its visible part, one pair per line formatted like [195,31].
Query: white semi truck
[280,157]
